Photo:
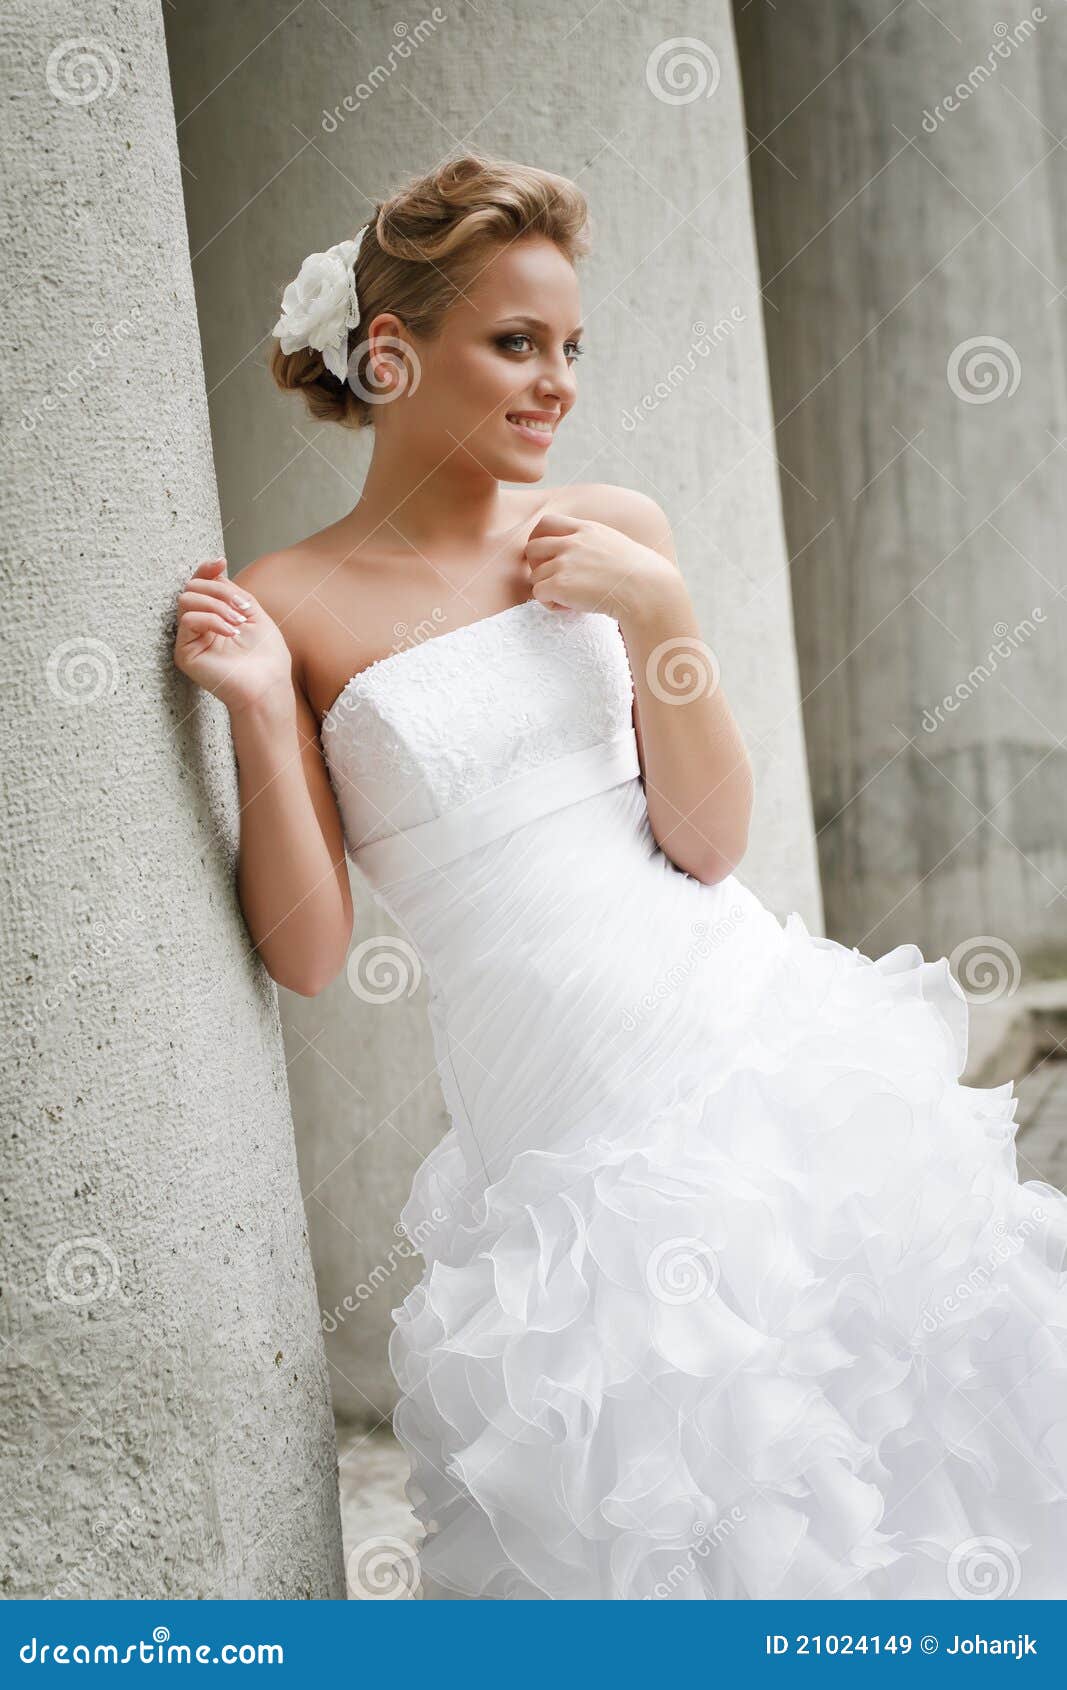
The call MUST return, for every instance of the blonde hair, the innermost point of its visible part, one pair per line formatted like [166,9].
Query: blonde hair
[422,247]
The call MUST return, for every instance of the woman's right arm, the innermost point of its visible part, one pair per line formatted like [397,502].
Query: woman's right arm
[292,874]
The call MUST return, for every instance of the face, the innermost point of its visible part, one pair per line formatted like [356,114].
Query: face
[499,378]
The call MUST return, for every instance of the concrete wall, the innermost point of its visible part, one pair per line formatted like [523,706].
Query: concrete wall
[910,206]
[163,1392]
[676,402]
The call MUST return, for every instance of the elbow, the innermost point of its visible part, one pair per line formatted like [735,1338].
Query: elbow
[715,866]
[719,858]
[307,982]
[718,861]
[308,987]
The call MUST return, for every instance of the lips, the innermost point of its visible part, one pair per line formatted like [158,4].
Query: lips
[533,425]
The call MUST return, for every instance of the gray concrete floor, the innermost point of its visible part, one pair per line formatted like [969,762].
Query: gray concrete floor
[380,1533]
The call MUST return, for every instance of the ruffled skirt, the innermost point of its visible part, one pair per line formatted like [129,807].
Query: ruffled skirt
[797,1331]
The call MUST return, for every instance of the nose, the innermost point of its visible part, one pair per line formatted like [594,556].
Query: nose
[557,382]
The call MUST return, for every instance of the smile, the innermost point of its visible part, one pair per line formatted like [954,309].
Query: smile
[531,428]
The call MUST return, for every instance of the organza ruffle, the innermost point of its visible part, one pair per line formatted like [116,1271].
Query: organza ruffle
[798,1331]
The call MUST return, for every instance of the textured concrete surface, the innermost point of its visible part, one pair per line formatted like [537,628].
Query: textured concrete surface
[912,214]
[676,402]
[165,1422]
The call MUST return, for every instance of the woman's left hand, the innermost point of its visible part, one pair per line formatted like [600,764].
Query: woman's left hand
[578,564]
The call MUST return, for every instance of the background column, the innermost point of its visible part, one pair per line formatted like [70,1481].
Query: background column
[163,1393]
[910,206]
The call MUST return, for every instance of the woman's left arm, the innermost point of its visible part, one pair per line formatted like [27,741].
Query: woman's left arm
[698,778]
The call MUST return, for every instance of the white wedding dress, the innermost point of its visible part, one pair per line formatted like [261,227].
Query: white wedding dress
[731,1287]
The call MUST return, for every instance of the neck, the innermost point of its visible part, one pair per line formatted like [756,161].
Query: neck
[426,503]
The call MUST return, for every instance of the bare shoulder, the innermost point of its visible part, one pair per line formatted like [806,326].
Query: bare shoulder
[285,584]
[624,508]
[275,578]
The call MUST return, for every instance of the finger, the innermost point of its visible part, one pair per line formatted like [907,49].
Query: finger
[220,592]
[206,622]
[202,601]
[212,565]
[555,523]
[545,570]
[236,594]
[542,551]
[227,590]
[542,591]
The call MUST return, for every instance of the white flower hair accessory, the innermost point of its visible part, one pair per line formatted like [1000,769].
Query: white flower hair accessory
[320,306]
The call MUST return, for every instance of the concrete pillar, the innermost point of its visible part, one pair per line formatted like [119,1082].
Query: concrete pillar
[318,119]
[163,1392]
[911,224]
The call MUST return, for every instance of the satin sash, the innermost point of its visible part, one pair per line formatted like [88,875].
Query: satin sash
[490,815]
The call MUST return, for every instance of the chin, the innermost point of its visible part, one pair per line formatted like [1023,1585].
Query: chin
[524,472]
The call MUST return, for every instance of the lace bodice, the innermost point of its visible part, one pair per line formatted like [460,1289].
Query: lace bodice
[431,728]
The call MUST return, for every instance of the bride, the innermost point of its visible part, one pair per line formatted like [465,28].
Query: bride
[731,1287]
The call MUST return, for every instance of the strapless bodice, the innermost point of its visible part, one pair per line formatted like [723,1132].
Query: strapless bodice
[447,744]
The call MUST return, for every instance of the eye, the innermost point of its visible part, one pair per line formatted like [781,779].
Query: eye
[572,348]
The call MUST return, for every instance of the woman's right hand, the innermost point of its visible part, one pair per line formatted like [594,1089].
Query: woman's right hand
[227,643]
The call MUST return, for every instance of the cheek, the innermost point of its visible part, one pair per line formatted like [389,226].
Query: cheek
[479,380]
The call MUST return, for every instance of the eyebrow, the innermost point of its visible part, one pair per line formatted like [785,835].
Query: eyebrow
[534,323]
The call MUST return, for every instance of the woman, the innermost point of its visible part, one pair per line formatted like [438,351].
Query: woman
[691,1323]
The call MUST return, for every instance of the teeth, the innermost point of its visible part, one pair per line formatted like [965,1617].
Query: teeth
[529,422]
